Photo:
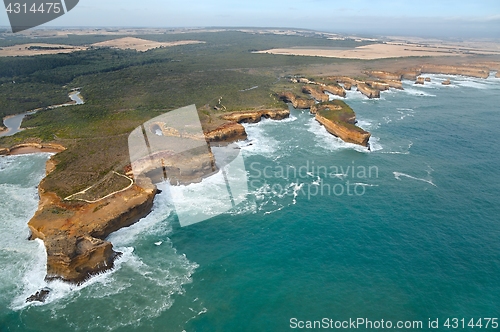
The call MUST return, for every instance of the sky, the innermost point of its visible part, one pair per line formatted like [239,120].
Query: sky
[426,18]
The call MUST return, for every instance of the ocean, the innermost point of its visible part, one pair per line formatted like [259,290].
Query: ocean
[407,232]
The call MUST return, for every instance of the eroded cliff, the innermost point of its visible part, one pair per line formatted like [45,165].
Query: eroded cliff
[316,92]
[368,90]
[336,89]
[472,71]
[74,233]
[296,101]
[383,75]
[339,120]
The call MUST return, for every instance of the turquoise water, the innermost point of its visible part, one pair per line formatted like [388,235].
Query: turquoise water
[413,234]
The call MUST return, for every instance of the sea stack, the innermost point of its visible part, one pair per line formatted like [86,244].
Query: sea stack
[420,80]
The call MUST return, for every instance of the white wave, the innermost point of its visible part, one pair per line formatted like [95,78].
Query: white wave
[375,144]
[474,84]
[398,176]
[270,198]
[367,124]
[405,113]
[141,288]
[462,81]
[353,94]
[156,278]
[291,118]
[24,260]
[416,92]
[365,184]
[215,195]
[261,142]
[154,223]
[401,151]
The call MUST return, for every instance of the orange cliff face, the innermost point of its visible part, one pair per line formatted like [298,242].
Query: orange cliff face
[255,116]
[232,130]
[74,233]
[228,132]
[381,86]
[384,75]
[316,92]
[479,72]
[498,74]
[297,102]
[343,132]
[368,91]
[336,89]
[339,120]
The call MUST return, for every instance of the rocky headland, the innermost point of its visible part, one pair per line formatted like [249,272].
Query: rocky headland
[316,92]
[32,148]
[228,132]
[231,129]
[368,90]
[336,89]
[74,233]
[296,101]
[340,120]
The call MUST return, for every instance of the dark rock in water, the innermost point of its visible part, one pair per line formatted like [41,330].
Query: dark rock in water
[39,296]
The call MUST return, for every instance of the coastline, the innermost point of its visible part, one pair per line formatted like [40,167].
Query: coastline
[28,148]
[93,221]
[65,258]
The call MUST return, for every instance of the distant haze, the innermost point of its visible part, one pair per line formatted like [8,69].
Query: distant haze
[427,18]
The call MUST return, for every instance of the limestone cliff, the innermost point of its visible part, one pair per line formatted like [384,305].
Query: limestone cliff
[339,120]
[233,130]
[381,86]
[395,84]
[384,75]
[296,101]
[447,82]
[228,132]
[343,79]
[343,132]
[31,147]
[336,90]
[420,80]
[316,92]
[368,91]
[498,74]
[410,74]
[74,233]
[255,116]
[479,72]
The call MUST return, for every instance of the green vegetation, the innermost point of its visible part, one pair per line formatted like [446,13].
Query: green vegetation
[338,111]
[123,89]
